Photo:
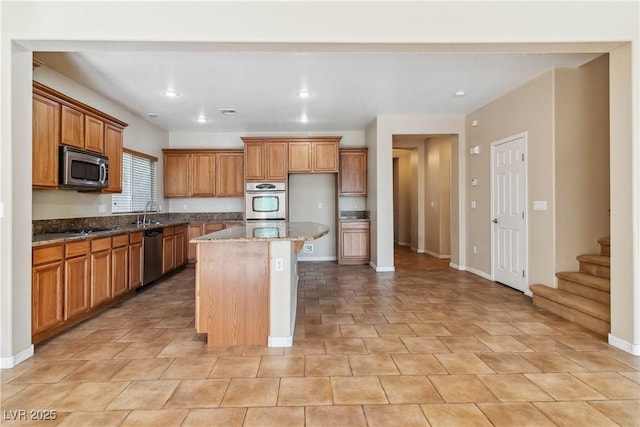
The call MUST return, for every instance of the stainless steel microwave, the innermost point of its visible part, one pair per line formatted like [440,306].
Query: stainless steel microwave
[82,170]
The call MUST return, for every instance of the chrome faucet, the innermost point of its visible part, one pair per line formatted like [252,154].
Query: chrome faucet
[149,207]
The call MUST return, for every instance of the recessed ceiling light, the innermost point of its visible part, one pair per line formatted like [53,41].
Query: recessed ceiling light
[459,93]
[304,119]
[171,93]
[304,94]
[153,115]
[201,119]
[228,111]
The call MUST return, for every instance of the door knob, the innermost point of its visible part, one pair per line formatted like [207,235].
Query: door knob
[495,220]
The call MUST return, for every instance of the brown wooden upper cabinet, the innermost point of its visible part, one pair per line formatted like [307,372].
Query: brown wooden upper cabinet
[72,127]
[46,138]
[313,155]
[352,177]
[203,173]
[265,159]
[272,159]
[229,167]
[113,150]
[93,134]
[59,119]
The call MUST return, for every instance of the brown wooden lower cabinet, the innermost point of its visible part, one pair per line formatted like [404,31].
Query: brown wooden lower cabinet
[77,277]
[353,244]
[120,265]
[197,229]
[100,277]
[69,280]
[168,250]
[180,255]
[135,260]
[47,288]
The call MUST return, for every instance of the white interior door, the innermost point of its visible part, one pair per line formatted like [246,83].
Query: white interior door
[509,187]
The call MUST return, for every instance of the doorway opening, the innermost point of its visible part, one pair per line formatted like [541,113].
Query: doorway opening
[422,193]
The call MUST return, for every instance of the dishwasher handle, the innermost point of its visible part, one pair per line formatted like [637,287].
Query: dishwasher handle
[153,233]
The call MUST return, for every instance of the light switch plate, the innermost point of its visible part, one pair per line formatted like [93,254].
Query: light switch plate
[539,205]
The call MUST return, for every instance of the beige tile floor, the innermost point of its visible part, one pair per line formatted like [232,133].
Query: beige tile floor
[426,345]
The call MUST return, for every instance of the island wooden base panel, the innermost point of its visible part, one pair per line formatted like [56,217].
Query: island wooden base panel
[232,287]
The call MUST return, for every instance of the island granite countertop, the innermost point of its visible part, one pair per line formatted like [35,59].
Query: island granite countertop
[265,231]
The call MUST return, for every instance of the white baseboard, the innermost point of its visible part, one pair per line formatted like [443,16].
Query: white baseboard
[436,255]
[11,361]
[404,244]
[280,341]
[456,266]
[471,270]
[624,345]
[381,269]
[316,258]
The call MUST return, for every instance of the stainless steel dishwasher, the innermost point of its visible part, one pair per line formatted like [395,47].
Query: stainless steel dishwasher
[152,255]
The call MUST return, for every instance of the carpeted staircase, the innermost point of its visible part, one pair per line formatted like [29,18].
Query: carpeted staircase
[582,297]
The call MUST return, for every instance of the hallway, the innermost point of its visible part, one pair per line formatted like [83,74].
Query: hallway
[426,345]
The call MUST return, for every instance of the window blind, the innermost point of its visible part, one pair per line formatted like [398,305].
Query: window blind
[138,184]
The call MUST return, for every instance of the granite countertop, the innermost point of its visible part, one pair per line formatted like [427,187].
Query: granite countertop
[52,238]
[267,230]
[354,215]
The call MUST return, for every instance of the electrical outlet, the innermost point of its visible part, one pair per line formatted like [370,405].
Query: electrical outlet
[279,264]
[475,249]
[185,207]
[308,248]
[320,205]
[228,206]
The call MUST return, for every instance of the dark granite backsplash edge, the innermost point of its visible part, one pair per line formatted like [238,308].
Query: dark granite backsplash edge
[65,224]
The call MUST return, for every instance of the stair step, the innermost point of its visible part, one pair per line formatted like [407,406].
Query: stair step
[596,265]
[585,305]
[585,285]
[604,261]
[583,311]
[599,283]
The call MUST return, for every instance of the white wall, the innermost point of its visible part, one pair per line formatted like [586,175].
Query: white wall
[528,108]
[312,197]
[541,26]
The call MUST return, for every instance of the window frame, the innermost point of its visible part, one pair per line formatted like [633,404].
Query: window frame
[133,204]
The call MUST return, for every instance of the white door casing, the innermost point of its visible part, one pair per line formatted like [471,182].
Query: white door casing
[509,216]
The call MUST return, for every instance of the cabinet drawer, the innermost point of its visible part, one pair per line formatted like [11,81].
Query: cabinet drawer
[135,237]
[168,231]
[121,240]
[47,254]
[98,245]
[179,229]
[77,248]
[354,225]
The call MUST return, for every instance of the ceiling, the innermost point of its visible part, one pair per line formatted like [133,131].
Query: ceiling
[347,89]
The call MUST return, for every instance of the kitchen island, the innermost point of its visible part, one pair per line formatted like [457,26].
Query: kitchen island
[247,282]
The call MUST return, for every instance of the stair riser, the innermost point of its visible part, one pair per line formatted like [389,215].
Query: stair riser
[584,291]
[592,323]
[595,269]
